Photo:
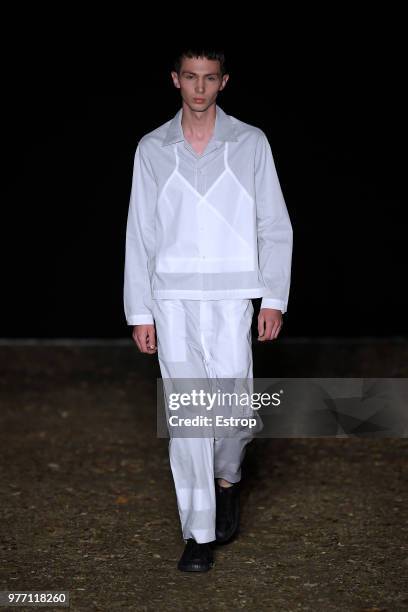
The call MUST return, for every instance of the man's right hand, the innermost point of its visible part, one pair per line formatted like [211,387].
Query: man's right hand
[145,338]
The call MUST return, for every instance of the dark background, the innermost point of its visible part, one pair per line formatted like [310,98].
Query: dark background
[332,113]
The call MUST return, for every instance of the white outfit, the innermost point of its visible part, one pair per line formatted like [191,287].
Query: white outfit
[205,234]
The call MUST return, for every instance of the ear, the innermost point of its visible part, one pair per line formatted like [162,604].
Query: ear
[175,78]
[224,81]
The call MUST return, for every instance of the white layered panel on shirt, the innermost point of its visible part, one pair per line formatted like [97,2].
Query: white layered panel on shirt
[206,235]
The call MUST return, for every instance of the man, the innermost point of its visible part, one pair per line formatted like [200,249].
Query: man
[207,230]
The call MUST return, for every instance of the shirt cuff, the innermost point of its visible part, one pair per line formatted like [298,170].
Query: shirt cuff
[272,303]
[142,319]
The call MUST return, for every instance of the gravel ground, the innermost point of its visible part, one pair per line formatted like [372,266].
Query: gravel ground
[88,504]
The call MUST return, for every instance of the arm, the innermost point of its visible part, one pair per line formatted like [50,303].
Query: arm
[275,239]
[140,237]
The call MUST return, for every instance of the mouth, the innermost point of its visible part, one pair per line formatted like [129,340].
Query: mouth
[199,100]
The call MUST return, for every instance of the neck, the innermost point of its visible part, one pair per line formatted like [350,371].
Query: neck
[198,124]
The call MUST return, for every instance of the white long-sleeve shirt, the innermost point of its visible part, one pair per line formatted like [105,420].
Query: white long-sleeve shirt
[209,226]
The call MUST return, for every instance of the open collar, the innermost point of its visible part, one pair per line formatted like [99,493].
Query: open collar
[224,128]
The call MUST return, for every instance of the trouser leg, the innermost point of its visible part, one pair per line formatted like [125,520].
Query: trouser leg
[229,454]
[228,348]
[204,340]
[191,459]
[192,465]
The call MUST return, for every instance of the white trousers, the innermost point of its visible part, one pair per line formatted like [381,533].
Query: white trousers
[206,339]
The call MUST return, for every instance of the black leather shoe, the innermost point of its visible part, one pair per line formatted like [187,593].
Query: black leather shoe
[196,557]
[228,512]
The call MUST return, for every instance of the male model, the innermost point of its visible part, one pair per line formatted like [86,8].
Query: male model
[207,230]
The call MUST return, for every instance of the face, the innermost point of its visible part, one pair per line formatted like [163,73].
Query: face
[199,82]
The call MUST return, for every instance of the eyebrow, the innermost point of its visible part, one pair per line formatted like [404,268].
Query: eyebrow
[190,72]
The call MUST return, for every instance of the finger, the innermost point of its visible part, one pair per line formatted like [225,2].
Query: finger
[271,328]
[136,340]
[277,324]
[267,333]
[276,330]
[151,341]
[261,325]
[142,338]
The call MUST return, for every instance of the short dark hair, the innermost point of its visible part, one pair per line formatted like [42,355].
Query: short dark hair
[210,53]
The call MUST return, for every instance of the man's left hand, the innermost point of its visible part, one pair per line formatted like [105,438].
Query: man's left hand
[269,324]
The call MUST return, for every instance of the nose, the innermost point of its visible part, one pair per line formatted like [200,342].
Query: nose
[200,87]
